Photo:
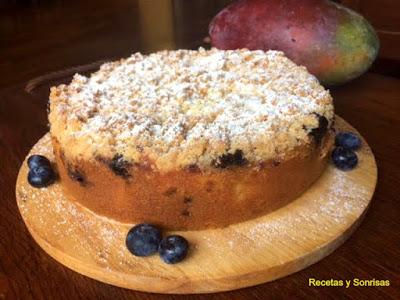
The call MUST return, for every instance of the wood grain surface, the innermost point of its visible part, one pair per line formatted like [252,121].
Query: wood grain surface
[54,35]
[240,255]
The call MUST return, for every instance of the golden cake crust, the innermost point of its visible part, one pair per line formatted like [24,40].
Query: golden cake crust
[191,198]
[191,139]
[173,109]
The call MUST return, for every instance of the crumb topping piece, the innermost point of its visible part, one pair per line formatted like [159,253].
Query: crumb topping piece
[172,109]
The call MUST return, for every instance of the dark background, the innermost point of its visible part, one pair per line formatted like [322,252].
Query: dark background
[63,33]
[38,37]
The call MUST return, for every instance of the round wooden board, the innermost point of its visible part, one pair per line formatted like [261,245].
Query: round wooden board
[240,255]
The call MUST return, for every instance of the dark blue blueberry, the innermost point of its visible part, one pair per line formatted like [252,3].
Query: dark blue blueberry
[348,140]
[143,240]
[344,159]
[173,249]
[120,166]
[229,159]
[41,176]
[319,132]
[35,161]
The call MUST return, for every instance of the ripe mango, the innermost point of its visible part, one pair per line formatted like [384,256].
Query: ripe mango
[335,43]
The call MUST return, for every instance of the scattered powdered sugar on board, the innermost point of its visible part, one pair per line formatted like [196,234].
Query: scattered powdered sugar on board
[69,221]
[341,198]
[317,217]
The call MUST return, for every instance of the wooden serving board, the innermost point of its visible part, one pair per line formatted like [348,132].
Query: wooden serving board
[240,255]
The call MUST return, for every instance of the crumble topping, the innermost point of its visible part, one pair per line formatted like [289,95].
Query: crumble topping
[172,109]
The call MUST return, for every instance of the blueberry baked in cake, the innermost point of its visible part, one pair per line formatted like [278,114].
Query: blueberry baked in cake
[191,139]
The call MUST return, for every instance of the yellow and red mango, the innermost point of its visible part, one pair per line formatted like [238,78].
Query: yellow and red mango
[335,43]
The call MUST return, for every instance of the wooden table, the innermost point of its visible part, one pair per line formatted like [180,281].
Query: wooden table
[59,34]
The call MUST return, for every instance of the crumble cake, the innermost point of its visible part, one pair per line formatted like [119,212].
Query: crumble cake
[191,139]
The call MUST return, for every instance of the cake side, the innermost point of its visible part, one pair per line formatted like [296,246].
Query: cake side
[190,199]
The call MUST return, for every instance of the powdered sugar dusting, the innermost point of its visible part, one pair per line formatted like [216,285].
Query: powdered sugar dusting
[317,218]
[177,108]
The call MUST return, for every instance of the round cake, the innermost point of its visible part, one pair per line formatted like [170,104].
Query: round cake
[191,139]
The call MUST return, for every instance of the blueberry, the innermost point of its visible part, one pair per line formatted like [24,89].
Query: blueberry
[41,176]
[344,159]
[120,166]
[319,132]
[35,161]
[229,159]
[173,249]
[143,240]
[348,140]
